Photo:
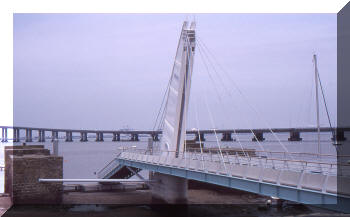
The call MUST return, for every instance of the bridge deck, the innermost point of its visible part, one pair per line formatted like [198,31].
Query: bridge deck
[308,182]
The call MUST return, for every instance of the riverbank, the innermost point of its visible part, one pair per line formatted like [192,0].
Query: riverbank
[202,203]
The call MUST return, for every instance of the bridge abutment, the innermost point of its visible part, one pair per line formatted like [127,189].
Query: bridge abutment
[168,189]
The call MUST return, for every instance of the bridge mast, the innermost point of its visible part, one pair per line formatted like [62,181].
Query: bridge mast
[317,106]
[178,95]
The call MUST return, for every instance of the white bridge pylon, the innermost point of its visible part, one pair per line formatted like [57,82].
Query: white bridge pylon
[174,127]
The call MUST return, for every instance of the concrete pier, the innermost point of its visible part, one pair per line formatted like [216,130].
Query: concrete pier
[29,137]
[259,136]
[4,135]
[16,135]
[294,136]
[54,136]
[339,136]
[155,137]
[168,189]
[226,137]
[99,137]
[41,136]
[83,137]
[201,137]
[134,137]
[69,136]
[116,137]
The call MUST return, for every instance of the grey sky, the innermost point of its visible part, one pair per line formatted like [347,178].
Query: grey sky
[106,71]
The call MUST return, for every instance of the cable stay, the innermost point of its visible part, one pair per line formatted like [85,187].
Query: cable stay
[199,135]
[243,96]
[223,85]
[216,136]
[325,104]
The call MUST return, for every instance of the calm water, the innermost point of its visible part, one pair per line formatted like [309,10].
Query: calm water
[83,159]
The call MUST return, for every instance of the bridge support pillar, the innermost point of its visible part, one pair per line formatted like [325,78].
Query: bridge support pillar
[99,137]
[339,136]
[29,135]
[259,136]
[69,136]
[155,137]
[116,137]
[294,136]
[83,137]
[41,136]
[201,137]
[226,137]
[54,136]
[134,137]
[16,135]
[168,189]
[4,135]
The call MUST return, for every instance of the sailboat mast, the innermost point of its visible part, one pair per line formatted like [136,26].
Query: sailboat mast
[317,106]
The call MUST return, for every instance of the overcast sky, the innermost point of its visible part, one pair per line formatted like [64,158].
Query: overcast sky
[110,71]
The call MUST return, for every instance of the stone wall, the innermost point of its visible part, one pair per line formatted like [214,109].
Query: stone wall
[19,150]
[24,167]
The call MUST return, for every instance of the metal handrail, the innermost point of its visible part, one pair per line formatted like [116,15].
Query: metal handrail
[143,151]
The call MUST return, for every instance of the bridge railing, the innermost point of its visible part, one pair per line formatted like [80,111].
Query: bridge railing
[326,165]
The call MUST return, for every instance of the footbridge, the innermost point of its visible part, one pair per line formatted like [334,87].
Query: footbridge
[300,177]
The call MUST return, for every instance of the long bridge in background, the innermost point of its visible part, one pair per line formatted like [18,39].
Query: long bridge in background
[98,135]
